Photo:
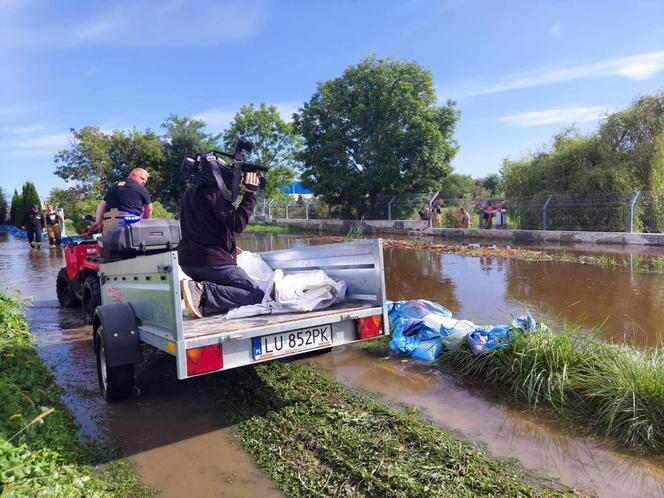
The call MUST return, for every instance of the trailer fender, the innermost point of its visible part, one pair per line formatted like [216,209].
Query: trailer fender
[119,333]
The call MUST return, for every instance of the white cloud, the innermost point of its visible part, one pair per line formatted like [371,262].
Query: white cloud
[46,141]
[556,116]
[21,130]
[634,67]
[555,30]
[145,23]
[10,112]
[30,140]
[216,119]
[286,110]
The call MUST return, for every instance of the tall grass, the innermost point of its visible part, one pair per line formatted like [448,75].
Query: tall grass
[613,390]
[40,452]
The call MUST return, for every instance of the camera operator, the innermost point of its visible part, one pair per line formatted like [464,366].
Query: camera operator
[207,250]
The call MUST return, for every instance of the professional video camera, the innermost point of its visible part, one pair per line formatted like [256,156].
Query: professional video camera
[209,168]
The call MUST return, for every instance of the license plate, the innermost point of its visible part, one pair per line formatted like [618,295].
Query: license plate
[270,346]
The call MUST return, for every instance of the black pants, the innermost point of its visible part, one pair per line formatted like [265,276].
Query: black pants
[225,287]
[34,234]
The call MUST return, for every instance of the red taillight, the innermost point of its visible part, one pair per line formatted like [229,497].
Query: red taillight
[205,359]
[370,326]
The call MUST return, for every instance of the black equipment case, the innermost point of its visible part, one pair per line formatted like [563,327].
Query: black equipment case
[143,237]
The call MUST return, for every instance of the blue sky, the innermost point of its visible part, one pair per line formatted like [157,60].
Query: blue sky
[519,70]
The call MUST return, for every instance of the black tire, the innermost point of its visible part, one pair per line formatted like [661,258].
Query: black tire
[90,297]
[115,383]
[66,296]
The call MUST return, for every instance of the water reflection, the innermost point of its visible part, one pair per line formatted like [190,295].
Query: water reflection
[624,304]
[418,274]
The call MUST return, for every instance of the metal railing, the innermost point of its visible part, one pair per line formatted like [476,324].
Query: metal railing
[602,212]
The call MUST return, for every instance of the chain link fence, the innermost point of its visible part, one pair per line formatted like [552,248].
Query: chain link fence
[602,212]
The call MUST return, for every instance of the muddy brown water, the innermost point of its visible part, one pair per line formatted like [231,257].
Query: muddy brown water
[182,446]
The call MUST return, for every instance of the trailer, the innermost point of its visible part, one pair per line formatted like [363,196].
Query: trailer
[142,305]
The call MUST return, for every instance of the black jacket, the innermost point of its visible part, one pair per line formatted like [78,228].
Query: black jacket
[209,224]
[34,220]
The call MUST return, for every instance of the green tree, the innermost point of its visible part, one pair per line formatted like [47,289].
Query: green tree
[491,184]
[159,211]
[87,159]
[15,211]
[375,130]
[574,164]
[94,159]
[136,149]
[4,207]
[184,136]
[633,134]
[29,197]
[275,144]
[458,186]
[76,203]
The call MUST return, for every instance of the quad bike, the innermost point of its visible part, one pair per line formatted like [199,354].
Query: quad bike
[77,283]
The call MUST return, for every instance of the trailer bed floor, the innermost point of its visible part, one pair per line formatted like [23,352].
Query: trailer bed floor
[218,324]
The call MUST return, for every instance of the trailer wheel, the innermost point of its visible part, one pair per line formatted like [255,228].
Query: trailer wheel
[66,296]
[90,297]
[115,383]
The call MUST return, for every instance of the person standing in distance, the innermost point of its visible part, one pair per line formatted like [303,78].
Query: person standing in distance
[33,223]
[207,250]
[53,225]
[123,198]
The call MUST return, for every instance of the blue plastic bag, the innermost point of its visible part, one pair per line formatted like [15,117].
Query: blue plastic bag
[484,339]
[410,335]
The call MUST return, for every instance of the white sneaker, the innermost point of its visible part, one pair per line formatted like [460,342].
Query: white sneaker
[191,293]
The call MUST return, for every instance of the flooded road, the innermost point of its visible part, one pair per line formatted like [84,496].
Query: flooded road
[172,430]
[182,446]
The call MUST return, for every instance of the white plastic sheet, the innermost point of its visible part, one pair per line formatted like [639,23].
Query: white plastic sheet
[298,292]
[258,270]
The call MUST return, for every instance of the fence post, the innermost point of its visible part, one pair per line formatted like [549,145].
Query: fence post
[269,209]
[630,221]
[287,206]
[306,209]
[432,198]
[389,208]
[544,210]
